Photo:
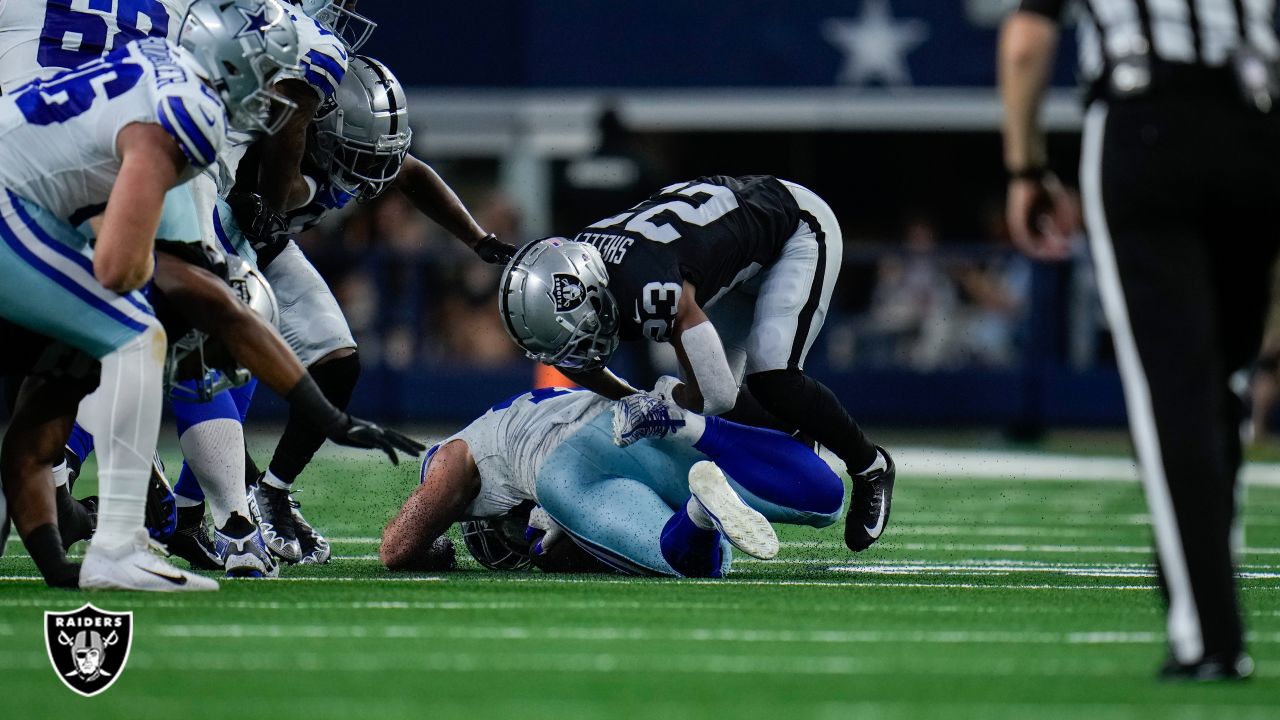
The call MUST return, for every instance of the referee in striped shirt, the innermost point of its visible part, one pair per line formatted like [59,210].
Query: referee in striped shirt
[1180,177]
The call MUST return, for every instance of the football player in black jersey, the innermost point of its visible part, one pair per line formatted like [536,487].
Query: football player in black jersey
[735,273]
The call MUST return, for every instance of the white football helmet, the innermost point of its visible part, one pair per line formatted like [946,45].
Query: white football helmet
[242,45]
[352,28]
[555,303]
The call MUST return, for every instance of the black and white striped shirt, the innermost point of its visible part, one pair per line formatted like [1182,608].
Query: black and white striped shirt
[1191,32]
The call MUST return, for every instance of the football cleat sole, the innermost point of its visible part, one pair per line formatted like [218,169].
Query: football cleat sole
[745,528]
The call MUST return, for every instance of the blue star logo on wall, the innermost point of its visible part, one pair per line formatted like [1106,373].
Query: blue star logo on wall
[875,45]
[255,23]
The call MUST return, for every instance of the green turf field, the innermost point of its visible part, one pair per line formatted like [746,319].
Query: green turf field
[991,597]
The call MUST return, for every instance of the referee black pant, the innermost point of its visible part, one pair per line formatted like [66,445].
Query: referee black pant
[1180,199]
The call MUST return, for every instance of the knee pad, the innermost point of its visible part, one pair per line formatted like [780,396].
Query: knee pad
[337,378]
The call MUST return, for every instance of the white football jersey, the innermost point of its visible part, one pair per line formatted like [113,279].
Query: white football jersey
[39,38]
[322,65]
[58,136]
[510,442]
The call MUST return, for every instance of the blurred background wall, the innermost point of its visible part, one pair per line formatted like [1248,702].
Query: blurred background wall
[547,115]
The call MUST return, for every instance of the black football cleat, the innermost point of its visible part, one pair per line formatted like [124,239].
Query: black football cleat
[273,509]
[1223,667]
[191,540]
[869,503]
[313,546]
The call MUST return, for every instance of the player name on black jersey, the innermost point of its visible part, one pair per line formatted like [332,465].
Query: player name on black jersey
[613,248]
[714,233]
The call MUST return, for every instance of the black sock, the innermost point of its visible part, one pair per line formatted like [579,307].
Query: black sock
[301,438]
[74,523]
[45,547]
[814,409]
[251,470]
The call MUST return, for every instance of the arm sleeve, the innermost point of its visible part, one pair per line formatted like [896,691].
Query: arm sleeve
[711,368]
[1051,9]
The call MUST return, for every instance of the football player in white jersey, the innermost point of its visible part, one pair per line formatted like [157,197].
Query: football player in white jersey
[627,480]
[39,38]
[357,150]
[112,137]
[267,171]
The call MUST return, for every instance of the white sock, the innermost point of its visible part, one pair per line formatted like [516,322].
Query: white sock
[60,473]
[124,416]
[275,482]
[698,514]
[214,450]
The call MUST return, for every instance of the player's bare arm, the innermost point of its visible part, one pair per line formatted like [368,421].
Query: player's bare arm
[1039,212]
[710,387]
[451,484]
[149,165]
[433,197]
[209,304]
[280,180]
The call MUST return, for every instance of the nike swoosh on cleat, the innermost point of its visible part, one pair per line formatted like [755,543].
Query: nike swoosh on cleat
[875,530]
[176,580]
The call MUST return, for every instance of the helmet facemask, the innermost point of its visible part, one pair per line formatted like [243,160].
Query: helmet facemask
[592,342]
[264,110]
[352,28]
[364,170]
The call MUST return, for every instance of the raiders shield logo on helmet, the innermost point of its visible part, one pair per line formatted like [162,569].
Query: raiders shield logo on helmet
[568,292]
[88,647]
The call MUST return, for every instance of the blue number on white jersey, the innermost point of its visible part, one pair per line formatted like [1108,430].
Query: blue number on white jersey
[71,37]
[70,94]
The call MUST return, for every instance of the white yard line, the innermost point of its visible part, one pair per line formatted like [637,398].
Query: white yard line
[648,634]
[1014,465]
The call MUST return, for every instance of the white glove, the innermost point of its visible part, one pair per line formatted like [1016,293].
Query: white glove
[544,531]
[666,387]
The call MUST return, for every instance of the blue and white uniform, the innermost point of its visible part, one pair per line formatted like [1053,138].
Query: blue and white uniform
[555,447]
[58,164]
[310,319]
[39,39]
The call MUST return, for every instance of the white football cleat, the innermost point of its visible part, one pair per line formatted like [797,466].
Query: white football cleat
[747,529]
[133,566]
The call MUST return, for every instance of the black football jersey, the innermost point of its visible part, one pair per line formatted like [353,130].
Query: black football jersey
[716,232]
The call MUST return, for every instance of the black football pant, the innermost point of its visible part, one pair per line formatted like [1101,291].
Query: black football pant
[1180,201]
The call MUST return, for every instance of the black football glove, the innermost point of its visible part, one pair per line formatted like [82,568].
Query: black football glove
[265,228]
[363,434]
[494,251]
